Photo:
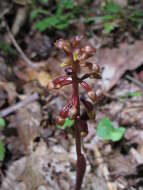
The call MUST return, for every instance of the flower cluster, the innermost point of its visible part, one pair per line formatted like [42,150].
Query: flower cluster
[76,57]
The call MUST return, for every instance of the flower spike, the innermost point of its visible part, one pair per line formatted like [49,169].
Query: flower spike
[63,44]
[77,56]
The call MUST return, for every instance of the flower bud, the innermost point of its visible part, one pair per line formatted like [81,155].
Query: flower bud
[88,105]
[83,128]
[89,65]
[68,71]
[96,75]
[60,120]
[85,86]
[64,111]
[96,68]
[92,95]
[72,112]
[89,49]
[91,114]
[66,62]
[63,44]
[50,85]
[76,40]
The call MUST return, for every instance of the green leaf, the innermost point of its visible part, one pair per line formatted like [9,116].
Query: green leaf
[58,22]
[107,18]
[2,123]
[67,124]
[7,48]
[135,94]
[109,27]
[44,1]
[107,131]
[117,134]
[112,8]
[130,95]
[64,4]
[2,151]
[34,14]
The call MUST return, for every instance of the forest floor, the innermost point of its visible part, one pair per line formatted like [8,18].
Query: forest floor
[40,156]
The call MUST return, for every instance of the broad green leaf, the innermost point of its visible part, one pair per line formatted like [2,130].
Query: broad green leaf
[2,151]
[107,131]
[2,123]
[67,124]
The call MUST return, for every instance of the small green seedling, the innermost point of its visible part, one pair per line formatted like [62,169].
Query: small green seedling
[107,131]
[2,146]
[2,151]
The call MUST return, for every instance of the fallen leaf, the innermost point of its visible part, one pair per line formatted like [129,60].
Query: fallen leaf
[116,61]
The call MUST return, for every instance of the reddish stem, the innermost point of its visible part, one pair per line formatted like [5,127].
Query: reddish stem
[81,164]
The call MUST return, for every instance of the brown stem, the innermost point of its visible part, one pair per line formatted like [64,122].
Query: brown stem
[81,164]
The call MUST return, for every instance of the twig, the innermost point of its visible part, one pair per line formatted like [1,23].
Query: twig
[138,83]
[11,109]
[24,57]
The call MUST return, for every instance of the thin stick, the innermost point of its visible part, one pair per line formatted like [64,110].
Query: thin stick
[24,57]
[138,83]
[11,109]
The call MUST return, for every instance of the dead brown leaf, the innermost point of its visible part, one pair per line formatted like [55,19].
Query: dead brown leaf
[117,61]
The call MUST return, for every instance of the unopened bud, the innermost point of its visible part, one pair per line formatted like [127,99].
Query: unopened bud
[66,62]
[89,65]
[88,105]
[68,71]
[92,95]
[85,86]
[63,44]
[76,40]
[83,128]
[96,67]
[72,112]
[60,120]
[89,49]
[91,114]
[64,111]
[50,85]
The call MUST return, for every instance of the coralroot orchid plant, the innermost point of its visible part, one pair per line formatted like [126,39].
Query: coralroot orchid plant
[76,59]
